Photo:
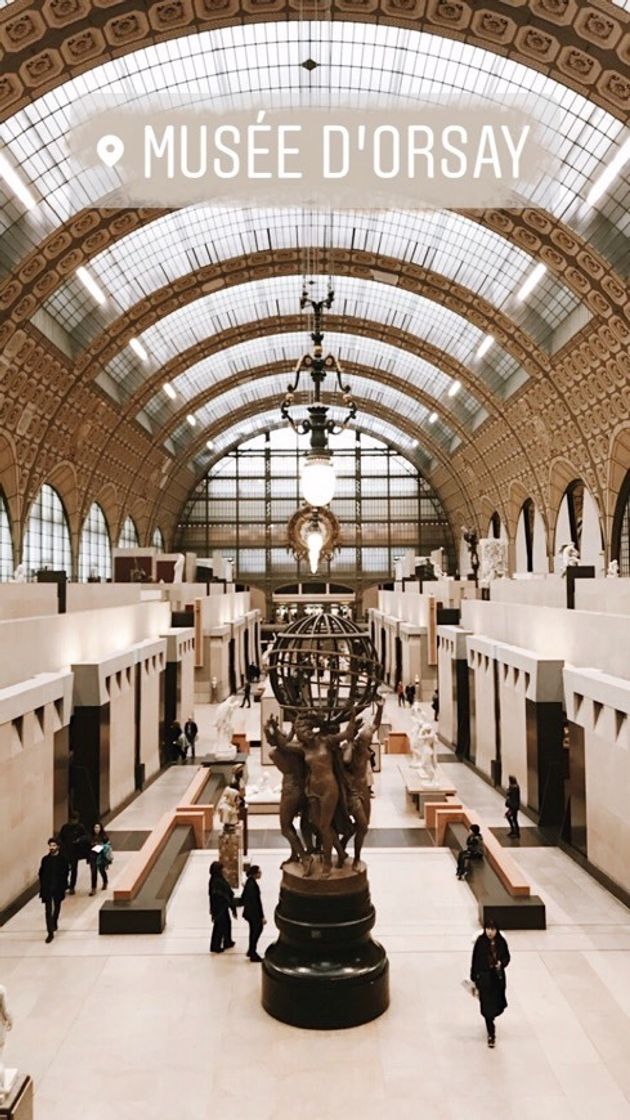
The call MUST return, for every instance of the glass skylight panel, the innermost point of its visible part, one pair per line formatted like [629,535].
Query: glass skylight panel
[260,391]
[352,351]
[178,243]
[258,64]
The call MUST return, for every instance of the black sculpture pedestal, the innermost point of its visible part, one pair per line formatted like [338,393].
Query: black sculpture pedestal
[325,971]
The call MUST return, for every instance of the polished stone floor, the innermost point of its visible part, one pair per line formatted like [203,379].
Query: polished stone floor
[138,1028]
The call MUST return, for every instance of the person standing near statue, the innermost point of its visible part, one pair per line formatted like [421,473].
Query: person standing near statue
[490,959]
[191,731]
[222,904]
[512,806]
[253,911]
[53,882]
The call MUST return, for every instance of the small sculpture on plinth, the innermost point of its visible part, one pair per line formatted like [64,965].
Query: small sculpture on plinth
[471,540]
[493,555]
[224,728]
[7,1076]
[20,574]
[228,808]
[569,558]
[613,570]
[178,570]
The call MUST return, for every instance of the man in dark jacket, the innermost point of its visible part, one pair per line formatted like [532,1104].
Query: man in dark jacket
[191,732]
[53,880]
[512,805]
[253,911]
[490,959]
[74,843]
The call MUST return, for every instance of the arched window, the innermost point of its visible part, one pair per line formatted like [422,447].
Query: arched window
[95,551]
[128,534]
[494,529]
[157,539]
[578,522]
[528,513]
[6,544]
[47,537]
[621,529]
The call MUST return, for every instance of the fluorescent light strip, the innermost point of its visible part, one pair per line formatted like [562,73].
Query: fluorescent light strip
[433,417]
[485,345]
[15,183]
[192,420]
[530,282]
[601,185]
[454,388]
[169,390]
[89,283]
[138,349]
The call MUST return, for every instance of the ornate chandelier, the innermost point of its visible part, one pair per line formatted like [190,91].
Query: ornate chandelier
[318,472]
[313,535]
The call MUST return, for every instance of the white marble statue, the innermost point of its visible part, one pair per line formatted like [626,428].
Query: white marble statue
[613,570]
[569,558]
[493,560]
[19,575]
[178,570]
[424,746]
[224,727]
[6,1022]
[229,806]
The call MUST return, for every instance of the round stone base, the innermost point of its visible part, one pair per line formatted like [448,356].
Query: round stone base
[325,971]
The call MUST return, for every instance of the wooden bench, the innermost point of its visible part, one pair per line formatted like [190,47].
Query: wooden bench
[145,885]
[500,886]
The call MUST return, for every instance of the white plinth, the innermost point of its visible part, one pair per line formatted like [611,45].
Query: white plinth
[7,1083]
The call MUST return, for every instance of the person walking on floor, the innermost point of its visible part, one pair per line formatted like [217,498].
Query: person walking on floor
[490,959]
[410,693]
[176,742]
[512,806]
[191,731]
[53,882]
[435,703]
[100,856]
[222,904]
[253,911]
[400,692]
[247,695]
[74,845]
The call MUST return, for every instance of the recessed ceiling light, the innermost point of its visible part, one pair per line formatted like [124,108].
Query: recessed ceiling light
[602,183]
[485,345]
[138,349]
[169,390]
[433,417]
[210,445]
[530,282]
[89,283]
[192,420]
[455,387]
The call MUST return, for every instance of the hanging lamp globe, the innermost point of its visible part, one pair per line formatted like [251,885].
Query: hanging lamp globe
[318,479]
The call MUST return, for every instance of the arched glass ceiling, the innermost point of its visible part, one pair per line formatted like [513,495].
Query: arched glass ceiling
[405,311]
[245,429]
[351,350]
[359,64]
[182,242]
[268,390]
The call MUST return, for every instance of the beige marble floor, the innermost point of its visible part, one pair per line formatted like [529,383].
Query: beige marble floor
[138,1028]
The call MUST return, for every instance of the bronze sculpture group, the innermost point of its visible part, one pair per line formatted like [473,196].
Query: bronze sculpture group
[325,784]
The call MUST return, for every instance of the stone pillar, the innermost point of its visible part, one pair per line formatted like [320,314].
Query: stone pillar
[102,735]
[179,682]
[454,719]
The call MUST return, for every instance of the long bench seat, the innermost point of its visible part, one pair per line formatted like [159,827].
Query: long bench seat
[487,880]
[145,885]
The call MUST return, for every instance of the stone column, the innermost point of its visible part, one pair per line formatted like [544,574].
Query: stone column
[454,719]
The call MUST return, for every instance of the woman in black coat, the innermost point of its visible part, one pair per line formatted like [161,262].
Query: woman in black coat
[222,903]
[253,911]
[490,959]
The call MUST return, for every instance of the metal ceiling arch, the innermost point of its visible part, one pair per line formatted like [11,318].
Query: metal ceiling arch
[282,373]
[368,266]
[181,462]
[43,47]
[82,239]
[242,63]
[266,328]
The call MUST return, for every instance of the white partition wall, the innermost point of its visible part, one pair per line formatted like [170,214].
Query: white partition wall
[33,759]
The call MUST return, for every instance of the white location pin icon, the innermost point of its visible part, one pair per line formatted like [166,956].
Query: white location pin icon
[109,149]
